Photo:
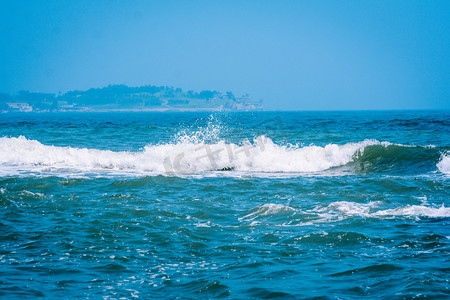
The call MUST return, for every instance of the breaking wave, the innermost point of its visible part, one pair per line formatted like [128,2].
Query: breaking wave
[187,157]
[444,164]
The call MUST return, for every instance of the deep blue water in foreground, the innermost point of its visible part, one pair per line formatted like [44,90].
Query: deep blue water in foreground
[225,205]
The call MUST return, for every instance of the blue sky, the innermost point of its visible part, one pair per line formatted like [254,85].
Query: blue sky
[296,55]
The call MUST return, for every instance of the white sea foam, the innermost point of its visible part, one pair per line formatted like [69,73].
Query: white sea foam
[343,209]
[444,164]
[349,208]
[184,157]
[417,211]
[267,209]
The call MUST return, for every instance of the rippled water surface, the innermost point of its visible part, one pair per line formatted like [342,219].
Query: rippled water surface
[225,205]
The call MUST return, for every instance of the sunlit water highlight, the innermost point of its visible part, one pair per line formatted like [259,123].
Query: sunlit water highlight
[225,205]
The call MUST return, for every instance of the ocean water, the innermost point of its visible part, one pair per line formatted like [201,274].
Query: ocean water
[290,205]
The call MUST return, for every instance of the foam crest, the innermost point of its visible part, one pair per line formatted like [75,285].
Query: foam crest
[267,209]
[34,155]
[444,164]
[260,156]
[350,208]
[417,211]
[344,209]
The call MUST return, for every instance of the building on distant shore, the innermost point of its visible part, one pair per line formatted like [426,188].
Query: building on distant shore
[22,107]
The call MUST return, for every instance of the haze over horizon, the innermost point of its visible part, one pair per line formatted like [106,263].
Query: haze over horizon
[323,55]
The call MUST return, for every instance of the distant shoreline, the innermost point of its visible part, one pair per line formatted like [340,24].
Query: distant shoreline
[131,110]
[122,98]
[221,110]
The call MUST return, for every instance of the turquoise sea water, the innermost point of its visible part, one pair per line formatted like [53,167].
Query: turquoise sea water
[225,205]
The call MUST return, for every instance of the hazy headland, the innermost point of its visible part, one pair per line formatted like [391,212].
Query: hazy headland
[126,98]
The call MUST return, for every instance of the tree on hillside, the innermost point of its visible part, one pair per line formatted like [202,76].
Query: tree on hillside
[208,95]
